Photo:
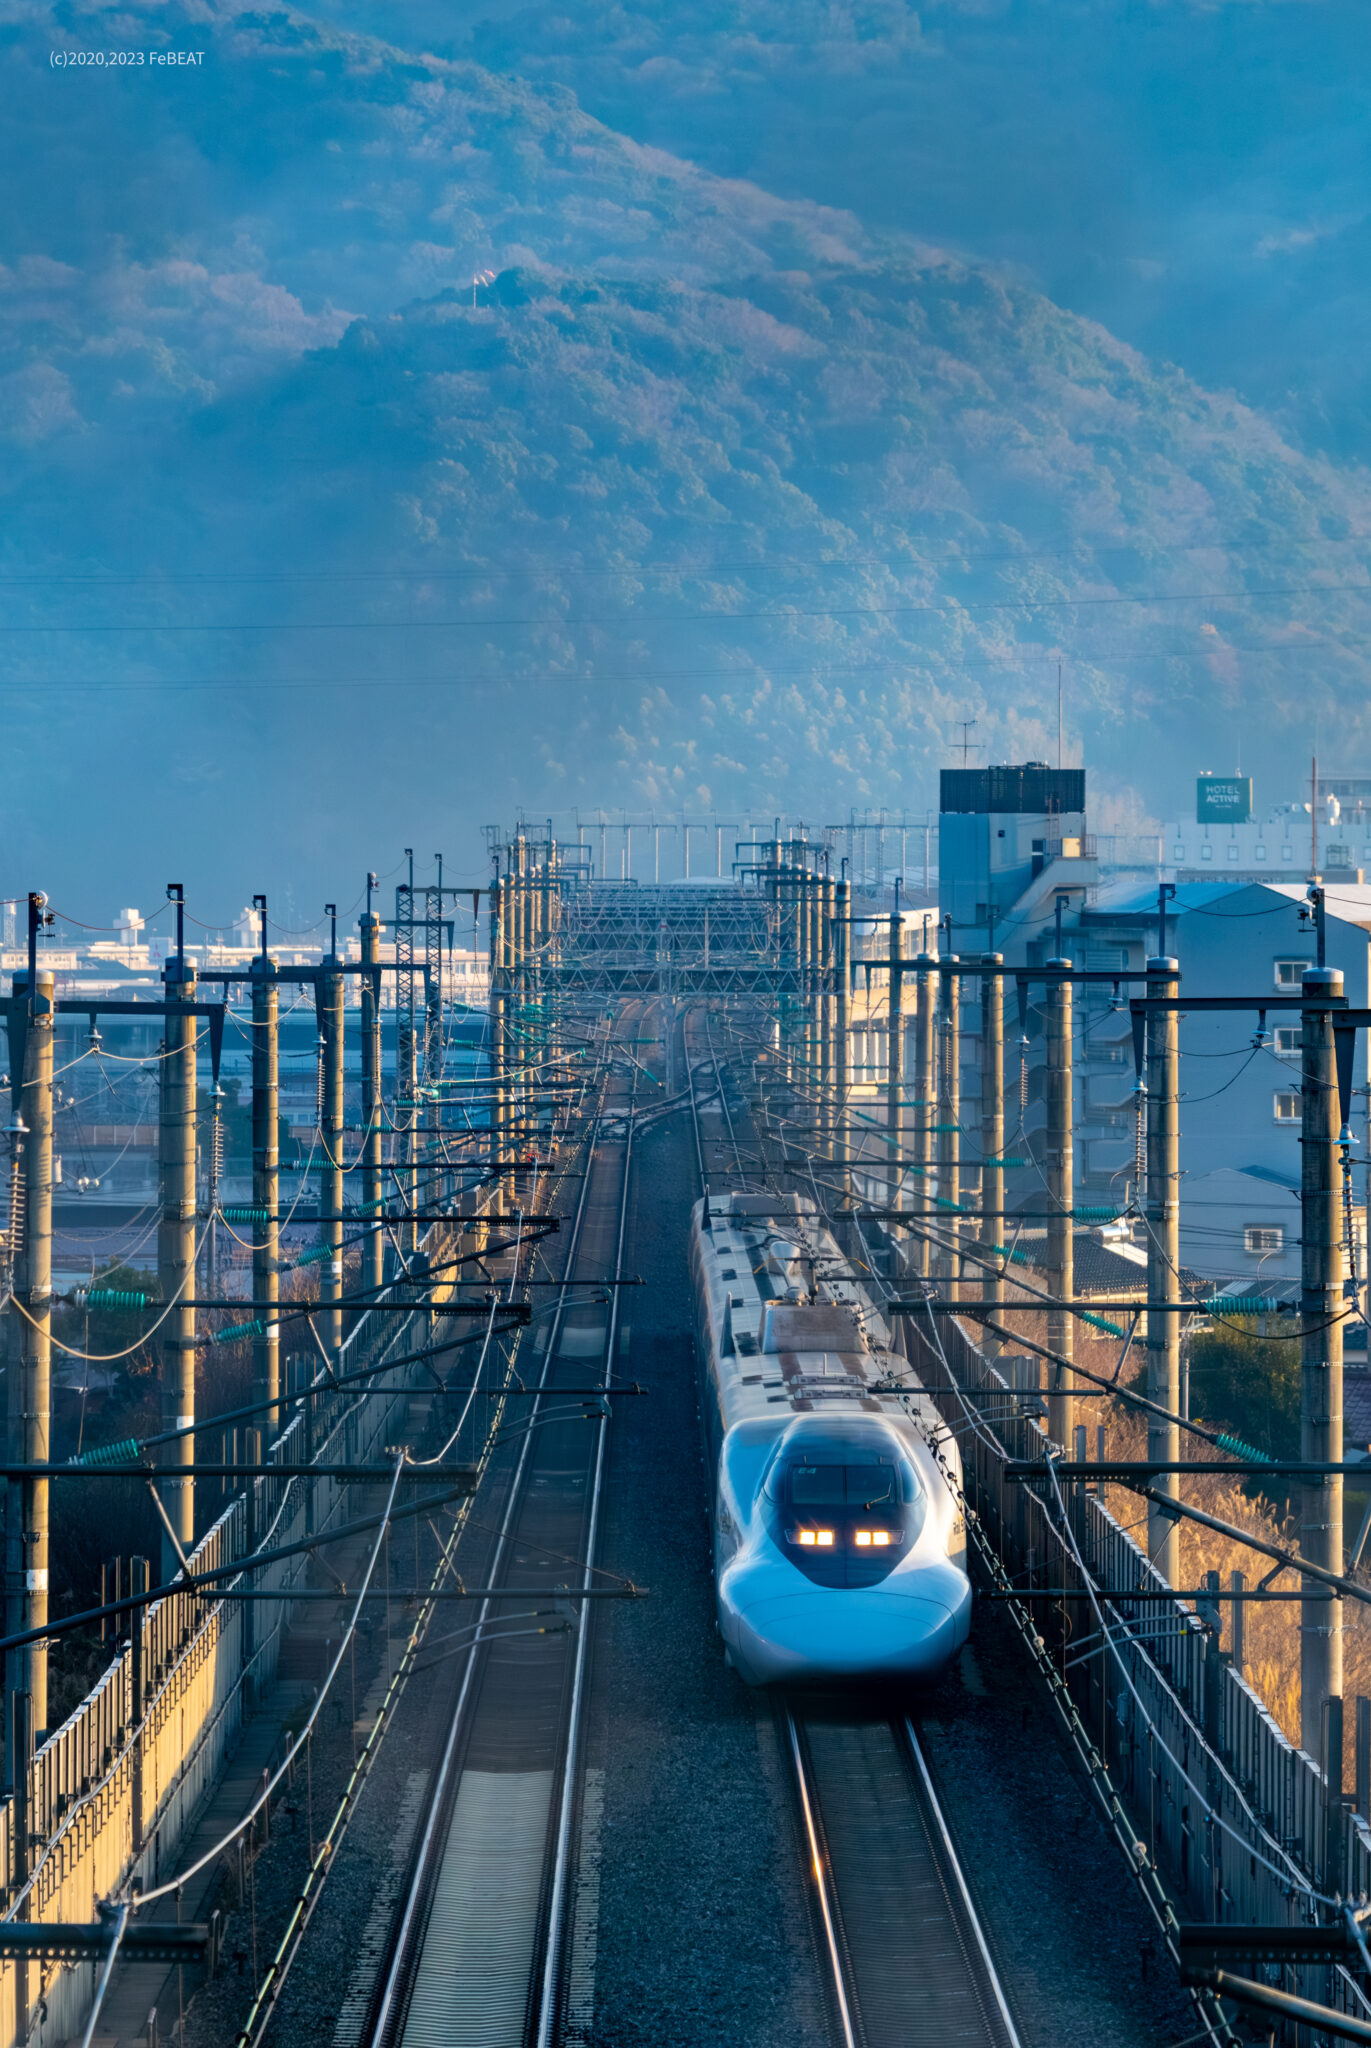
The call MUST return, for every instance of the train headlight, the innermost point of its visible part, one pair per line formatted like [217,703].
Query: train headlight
[813,1539]
[873,1539]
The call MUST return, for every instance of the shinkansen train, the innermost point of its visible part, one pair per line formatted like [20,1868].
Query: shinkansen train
[839,1545]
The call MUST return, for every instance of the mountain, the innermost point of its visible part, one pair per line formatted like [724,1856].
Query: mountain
[710,498]
[1190,173]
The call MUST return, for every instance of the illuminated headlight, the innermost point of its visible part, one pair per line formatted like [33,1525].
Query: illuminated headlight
[873,1539]
[813,1539]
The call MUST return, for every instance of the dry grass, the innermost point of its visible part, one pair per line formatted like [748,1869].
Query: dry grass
[1271,1646]
[1271,1662]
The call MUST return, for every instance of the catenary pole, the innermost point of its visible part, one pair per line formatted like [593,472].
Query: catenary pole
[949,1115]
[925,1099]
[373,1245]
[894,1066]
[1321,1305]
[992,1129]
[1060,1177]
[176,1243]
[1163,1257]
[266,1170]
[331,1021]
[30,1348]
[842,993]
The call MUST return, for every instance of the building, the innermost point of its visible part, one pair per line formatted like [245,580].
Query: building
[1240,1073]
[1003,873]
[1226,844]
[1010,841]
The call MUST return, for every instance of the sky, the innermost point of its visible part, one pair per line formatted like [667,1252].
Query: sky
[966,338]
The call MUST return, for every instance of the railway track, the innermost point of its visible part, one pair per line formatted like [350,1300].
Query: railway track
[903,1952]
[907,1962]
[718,1153]
[478,1945]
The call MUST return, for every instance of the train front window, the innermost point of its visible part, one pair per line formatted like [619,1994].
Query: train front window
[837,1486]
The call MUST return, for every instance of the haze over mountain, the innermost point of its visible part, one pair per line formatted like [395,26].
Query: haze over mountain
[1189,172]
[712,498]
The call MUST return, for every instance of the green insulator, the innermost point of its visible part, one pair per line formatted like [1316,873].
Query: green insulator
[315,1257]
[114,1297]
[1240,1449]
[240,1214]
[1096,1215]
[1102,1323]
[256,1328]
[125,1453]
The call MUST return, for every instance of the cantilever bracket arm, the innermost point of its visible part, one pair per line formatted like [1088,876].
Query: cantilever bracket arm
[1347,1022]
[1027,974]
[82,1006]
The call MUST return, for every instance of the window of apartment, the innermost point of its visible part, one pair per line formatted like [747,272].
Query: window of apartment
[1286,1106]
[1259,851]
[1178,853]
[1290,973]
[1206,852]
[1287,853]
[1232,851]
[1289,1041]
[1263,1237]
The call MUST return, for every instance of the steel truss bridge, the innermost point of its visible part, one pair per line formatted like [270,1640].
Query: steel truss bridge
[611,939]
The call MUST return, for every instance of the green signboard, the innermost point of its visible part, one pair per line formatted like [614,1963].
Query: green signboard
[1223,799]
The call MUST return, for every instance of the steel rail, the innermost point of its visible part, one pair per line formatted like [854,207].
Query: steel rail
[935,1814]
[837,1983]
[695,1116]
[723,1099]
[889,1886]
[552,1938]
[404,1955]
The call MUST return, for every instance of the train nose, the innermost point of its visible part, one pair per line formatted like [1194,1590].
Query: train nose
[848,1634]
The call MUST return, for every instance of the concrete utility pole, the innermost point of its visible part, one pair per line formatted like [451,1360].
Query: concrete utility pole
[331,1025]
[518,1014]
[894,1066]
[827,1119]
[1163,1213]
[30,1345]
[497,1016]
[950,1111]
[176,1243]
[1061,1323]
[925,1101]
[1321,1305]
[553,957]
[373,1247]
[992,1132]
[407,1075]
[842,991]
[812,984]
[266,1177]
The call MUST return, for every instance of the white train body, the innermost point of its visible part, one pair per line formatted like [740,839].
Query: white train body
[839,1545]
